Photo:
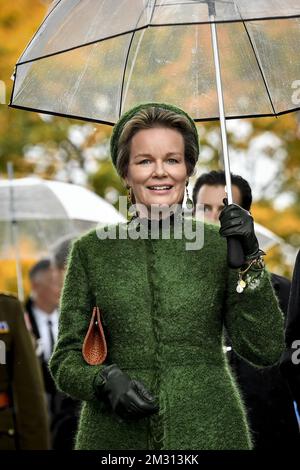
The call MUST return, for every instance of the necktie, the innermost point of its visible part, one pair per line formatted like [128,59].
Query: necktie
[51,337]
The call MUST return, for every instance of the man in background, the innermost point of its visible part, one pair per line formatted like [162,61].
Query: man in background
[290,360]
[42,310]
[267,397]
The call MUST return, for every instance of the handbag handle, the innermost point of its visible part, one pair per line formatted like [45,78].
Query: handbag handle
[94,349]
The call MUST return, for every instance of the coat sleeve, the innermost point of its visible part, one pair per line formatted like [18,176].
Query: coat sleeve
[70,372]
[253,319]
[28,389]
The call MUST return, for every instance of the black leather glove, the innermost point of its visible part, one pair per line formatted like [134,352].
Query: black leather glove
[127,398]
[237,222]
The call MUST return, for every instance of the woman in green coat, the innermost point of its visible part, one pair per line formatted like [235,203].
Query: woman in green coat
[165,383]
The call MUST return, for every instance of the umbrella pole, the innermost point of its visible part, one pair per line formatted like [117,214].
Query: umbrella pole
[221,108]
[235,254]
[15,233]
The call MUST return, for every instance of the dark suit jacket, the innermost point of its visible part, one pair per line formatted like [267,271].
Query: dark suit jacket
[64,410]
[266,395]
[289,368]
[48,381]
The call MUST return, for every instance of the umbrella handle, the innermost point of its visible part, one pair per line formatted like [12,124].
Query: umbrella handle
[235,253]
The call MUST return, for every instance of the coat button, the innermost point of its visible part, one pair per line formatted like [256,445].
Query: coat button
[11,432]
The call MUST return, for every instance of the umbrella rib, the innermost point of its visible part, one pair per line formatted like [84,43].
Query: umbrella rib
[260,68]
[54,113]
[90,43]
[152,12]
[110,123]
[128,52]
[131,69]
[31,40]
[262,18]
[13,87]
[166,5]
[124,72]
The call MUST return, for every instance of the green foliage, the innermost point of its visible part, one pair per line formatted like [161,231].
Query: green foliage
[105,178]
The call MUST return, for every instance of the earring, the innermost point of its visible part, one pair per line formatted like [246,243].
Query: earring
[130,214]
[189,202]
[129,195]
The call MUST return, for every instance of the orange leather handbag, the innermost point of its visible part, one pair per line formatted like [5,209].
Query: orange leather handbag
[94,349]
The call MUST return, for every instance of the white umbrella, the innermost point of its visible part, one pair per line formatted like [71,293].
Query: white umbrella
[35,198]
[266,238]
[40,212]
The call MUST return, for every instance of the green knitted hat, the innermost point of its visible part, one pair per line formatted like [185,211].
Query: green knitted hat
[118,127]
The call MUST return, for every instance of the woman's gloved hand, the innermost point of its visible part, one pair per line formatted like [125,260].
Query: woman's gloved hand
[237,222]
[127,398]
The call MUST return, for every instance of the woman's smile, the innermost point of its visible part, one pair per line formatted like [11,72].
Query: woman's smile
[163,189]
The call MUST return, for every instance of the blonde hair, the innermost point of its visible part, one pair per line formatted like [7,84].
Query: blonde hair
[148,118]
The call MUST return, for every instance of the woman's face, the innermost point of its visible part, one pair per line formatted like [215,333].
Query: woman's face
[157,170]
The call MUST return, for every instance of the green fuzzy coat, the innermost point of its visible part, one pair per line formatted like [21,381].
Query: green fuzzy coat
[164,308]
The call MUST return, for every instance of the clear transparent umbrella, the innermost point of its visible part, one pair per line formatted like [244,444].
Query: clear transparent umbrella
[217,59]
[95,59]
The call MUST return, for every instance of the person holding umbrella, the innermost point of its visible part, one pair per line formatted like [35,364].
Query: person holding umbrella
[165,383]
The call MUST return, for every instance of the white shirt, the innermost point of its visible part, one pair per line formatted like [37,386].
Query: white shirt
[42,318]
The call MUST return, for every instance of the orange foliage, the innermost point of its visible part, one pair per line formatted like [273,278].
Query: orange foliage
[8,273]
[17,28]
[8,278]
[284,223]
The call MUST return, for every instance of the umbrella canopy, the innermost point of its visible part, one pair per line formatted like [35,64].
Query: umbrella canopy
[217,59]
[94,60]
[46,211]
[266,238]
